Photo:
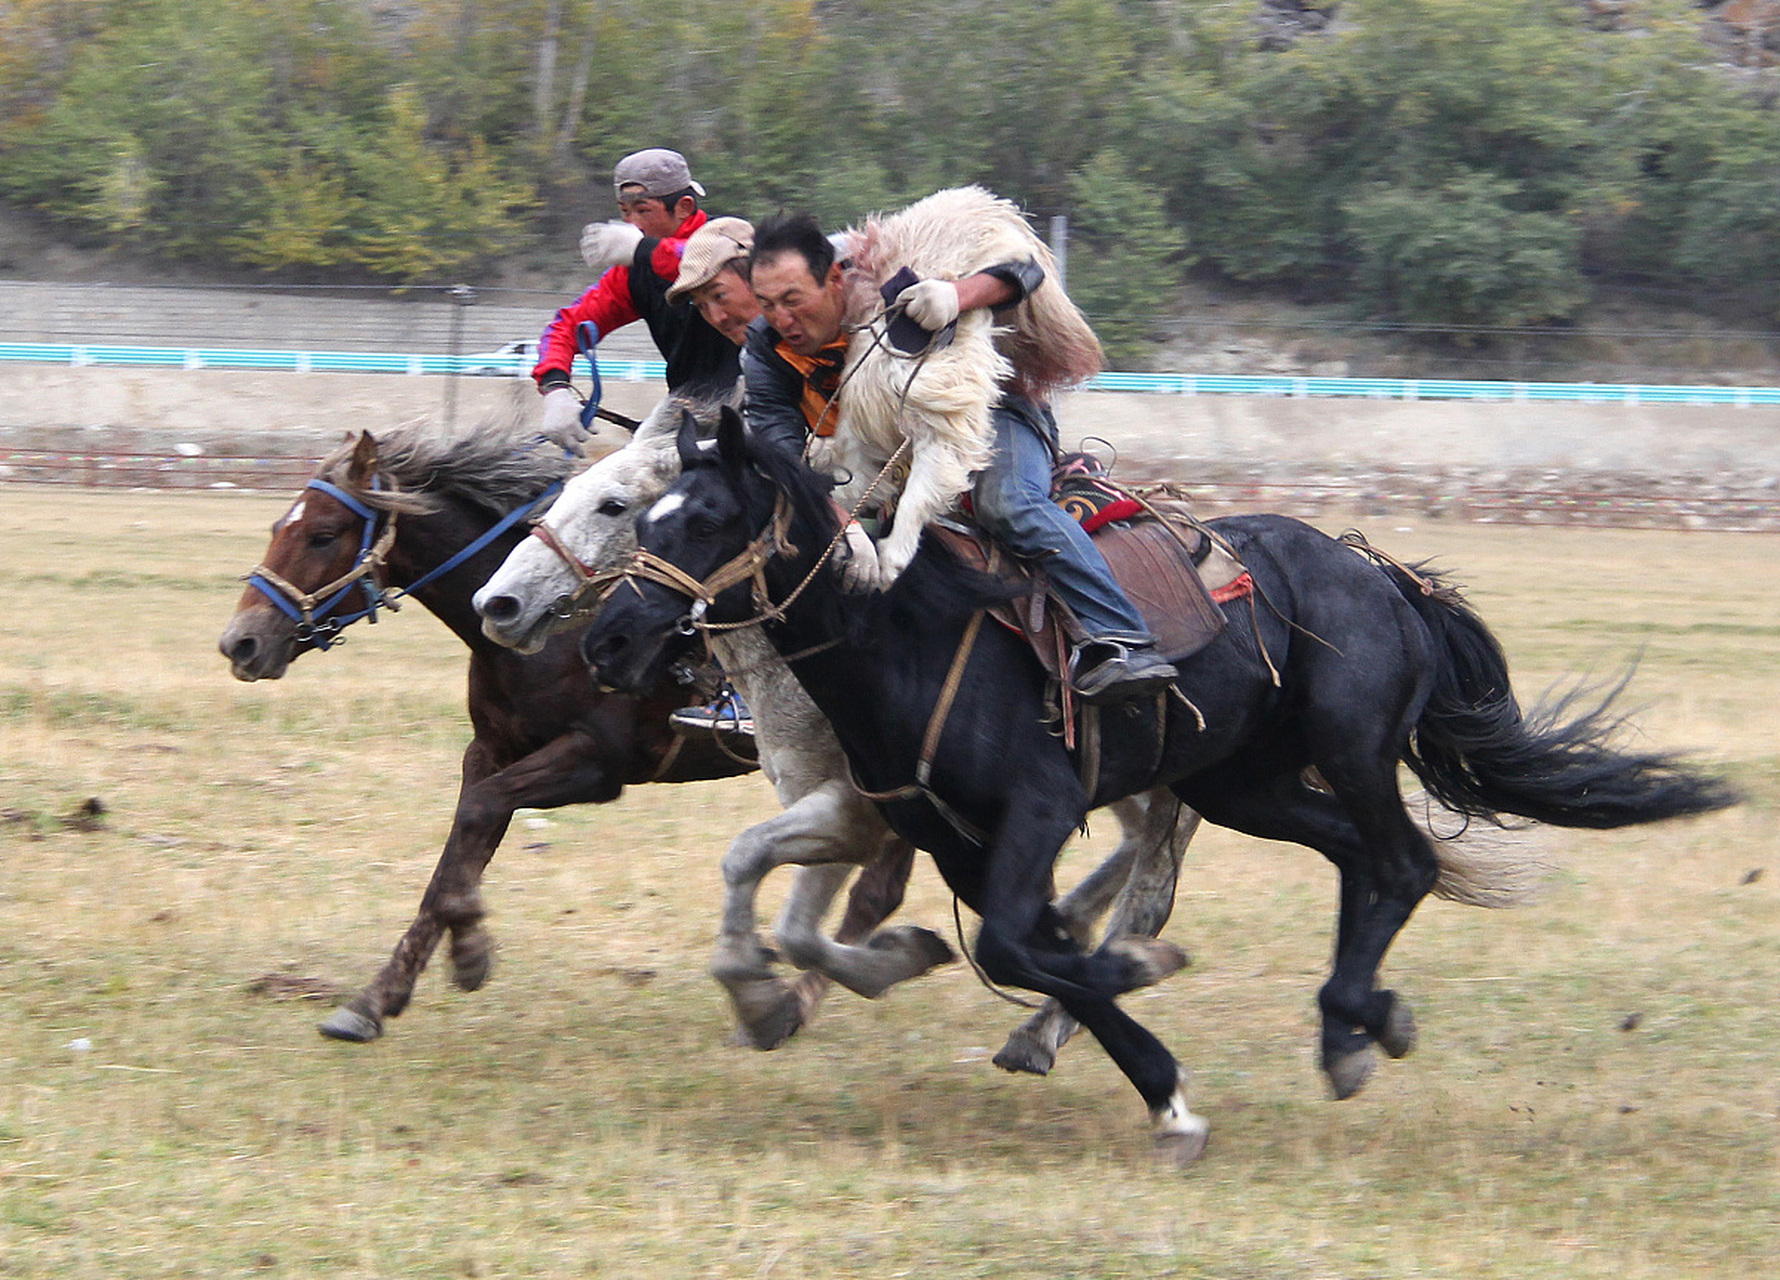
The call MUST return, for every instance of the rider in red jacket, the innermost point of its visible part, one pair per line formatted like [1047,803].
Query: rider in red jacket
[657,196]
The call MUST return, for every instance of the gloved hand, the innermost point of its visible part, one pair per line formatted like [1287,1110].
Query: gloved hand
[561,423]
[856,559]
[932,304]
[608,244]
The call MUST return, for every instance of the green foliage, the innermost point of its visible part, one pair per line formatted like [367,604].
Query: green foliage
[1124,256]
[1530,138]
[1464,253]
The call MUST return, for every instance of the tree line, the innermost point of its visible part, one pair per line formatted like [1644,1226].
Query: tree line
[1470,163]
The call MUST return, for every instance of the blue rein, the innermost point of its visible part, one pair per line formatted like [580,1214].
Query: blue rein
[317,624]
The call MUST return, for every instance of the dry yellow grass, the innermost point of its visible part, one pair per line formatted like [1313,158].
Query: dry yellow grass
[1595,1093]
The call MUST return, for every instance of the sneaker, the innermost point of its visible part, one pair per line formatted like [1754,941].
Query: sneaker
[1107,671]
[726,713]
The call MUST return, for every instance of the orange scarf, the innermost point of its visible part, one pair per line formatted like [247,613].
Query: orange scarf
[821,382]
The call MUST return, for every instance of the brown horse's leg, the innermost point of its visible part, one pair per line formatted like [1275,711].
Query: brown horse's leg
[569,770]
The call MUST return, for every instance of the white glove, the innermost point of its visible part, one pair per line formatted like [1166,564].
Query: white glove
[608,244]
[562,418]
[856,559]
[932,304]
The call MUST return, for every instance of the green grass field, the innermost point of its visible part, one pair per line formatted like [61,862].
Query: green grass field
[1595,1094]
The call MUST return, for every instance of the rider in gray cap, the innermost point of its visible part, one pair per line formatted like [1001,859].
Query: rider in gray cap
[658,198]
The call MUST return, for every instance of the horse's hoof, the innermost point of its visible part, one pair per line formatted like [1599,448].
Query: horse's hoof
[923,946]
[472,960]
[737,964]
[768,1012]
[1180,1136]
[1349,1072]
[1397,1036]
[347,1023]
[1024,1052]
[1146,961]
[1178,1150]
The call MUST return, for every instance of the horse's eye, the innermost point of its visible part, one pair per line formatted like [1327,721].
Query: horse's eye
[322,541]
[614,507]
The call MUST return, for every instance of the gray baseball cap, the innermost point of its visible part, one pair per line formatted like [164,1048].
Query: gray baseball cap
[653,174]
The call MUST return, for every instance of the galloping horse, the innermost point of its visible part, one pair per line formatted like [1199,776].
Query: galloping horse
[1349,665]
[826,826]
[431,515]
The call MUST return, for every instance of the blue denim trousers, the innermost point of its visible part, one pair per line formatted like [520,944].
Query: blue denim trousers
[1013,503]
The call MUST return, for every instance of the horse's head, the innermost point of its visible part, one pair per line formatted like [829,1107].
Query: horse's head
[698,546]
[590,530]
[318,544]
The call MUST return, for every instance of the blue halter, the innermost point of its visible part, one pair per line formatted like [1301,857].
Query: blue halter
[317,624]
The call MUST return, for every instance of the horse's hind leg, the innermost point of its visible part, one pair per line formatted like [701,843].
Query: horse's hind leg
[568,770]
[1138,880]
[1384,874]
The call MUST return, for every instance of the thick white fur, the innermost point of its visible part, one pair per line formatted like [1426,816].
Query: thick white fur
[941,402]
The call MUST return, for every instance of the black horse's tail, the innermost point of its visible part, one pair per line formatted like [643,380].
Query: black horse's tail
[1479,753]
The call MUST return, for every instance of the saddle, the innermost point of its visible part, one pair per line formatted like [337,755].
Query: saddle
[1175,570]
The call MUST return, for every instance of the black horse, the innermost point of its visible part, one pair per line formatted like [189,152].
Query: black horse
[1290,726]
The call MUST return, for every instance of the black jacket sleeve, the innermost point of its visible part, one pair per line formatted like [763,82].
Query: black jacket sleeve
[773,399]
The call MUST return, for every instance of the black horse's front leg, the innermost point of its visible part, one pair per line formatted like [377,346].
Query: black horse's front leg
[569,770]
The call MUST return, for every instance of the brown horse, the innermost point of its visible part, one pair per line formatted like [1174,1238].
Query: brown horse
[433,516]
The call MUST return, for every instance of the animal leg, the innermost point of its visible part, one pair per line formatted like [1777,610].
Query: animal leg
[1386,868]
[569,770]
[874,898]
[1022,943]
[937,475]
[831,824]
[1138,879]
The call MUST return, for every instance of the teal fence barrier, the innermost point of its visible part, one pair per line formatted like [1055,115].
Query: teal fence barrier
[1148,383]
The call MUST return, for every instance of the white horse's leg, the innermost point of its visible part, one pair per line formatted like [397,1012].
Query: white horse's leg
[830,830]
[1138,878]
[888,957]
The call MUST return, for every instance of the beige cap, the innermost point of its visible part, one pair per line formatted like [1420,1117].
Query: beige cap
[712,247]
[653,174]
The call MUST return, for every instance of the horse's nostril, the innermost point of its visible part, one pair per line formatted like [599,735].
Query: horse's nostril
[242,651]
[500,608]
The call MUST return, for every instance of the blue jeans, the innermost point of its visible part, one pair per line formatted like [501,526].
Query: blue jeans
[1013,504]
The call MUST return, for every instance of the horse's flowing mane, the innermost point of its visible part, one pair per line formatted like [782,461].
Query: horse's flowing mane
[497,464]
[937,586]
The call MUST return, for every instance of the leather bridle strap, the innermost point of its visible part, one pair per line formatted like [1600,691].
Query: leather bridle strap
[311,610]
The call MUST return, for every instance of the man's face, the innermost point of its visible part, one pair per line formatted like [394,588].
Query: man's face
[650,216]
[727,304]
[806,312]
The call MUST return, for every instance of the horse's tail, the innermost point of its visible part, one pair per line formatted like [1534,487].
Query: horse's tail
[1477,752]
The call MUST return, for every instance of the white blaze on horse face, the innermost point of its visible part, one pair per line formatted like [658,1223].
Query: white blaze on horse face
[666,507]
[293,515]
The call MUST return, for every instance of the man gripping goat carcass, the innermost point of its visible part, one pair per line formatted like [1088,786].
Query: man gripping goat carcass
[999,337]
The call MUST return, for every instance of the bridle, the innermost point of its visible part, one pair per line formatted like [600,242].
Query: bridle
[748,565]
[314,611]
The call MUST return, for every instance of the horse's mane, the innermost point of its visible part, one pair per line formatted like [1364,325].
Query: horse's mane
[497,464]
[936,587]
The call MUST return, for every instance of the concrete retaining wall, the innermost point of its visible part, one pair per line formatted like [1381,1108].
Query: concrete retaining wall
[1674,463]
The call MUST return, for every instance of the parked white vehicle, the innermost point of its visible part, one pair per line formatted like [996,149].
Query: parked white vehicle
[510,359]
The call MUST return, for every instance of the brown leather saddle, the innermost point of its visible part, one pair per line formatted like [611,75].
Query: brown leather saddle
[1171,567]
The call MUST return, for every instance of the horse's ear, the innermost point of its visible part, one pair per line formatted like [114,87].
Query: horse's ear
[732,439]
[363,465]
[687,440]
